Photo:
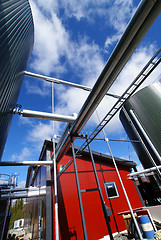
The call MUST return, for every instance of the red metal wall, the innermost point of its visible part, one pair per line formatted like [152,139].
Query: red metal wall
[69,212]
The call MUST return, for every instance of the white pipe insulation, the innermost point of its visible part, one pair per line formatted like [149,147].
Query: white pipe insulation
[48,116]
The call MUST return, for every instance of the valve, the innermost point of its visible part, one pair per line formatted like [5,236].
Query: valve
[17,110]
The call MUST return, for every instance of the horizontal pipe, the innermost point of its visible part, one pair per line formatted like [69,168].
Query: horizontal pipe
[22,189]
[58,81]
[48,116]
[137,28]
[26,163]
[144,171]
[27,195]
[144,17]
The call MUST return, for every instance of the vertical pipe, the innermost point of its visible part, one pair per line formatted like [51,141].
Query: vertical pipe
[79,192]
[126,196]
[38,217]
[122,185]
[55,178]
[48,231]
[149,142]
[100,193]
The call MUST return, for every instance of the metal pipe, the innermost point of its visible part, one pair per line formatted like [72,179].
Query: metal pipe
[55,178]
[18,196]
[48,116]
[79,192]
[58,81]
[144,171]
[125,193]
[22,189]
[145,15]
[48,205]
[146,137]
[149,142]
[137,28]
[26,163]
[142,142]
[100,193]
[30,192]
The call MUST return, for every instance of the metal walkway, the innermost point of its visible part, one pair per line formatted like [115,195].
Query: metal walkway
[147,70]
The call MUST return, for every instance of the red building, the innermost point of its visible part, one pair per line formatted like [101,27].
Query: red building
[70,220]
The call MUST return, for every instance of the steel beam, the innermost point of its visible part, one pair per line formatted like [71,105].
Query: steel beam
[79,193]
[100,193]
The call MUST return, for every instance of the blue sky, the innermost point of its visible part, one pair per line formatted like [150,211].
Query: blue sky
[73,41]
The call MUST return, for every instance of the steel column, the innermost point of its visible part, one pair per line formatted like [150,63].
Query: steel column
[100,193]
[79,191]
[48,201]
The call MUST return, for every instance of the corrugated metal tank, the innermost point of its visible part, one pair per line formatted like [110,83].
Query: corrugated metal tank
[16,43]
[141,118]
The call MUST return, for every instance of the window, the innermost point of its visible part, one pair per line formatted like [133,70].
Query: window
[61,167]
[111,190]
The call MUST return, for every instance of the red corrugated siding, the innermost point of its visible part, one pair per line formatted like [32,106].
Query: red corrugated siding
[69,212]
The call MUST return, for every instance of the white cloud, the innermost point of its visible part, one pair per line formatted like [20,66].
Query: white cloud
[84,59]
[38,87]
[112,39]
[119,15]
[40,131]
[131,70]
[71,100]
[51,40]
[136,63]
[24,155]
[21,184]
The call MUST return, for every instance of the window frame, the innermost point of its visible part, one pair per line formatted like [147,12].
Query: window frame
[116,190]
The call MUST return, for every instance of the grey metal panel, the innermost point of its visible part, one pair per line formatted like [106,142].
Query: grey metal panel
[16,43]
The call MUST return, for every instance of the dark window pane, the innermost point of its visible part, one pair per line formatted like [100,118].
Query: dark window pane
[111,190]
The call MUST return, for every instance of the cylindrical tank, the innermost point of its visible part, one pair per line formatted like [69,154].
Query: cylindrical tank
[141,118]
[16,38]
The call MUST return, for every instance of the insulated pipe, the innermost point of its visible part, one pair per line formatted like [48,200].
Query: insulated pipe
[26,163]
[144,17]
[23,189]
[48,116]
[58,81]
[27,195]
[137,28]
[144,171]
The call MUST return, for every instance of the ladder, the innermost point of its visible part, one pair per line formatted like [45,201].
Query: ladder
[146,71]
